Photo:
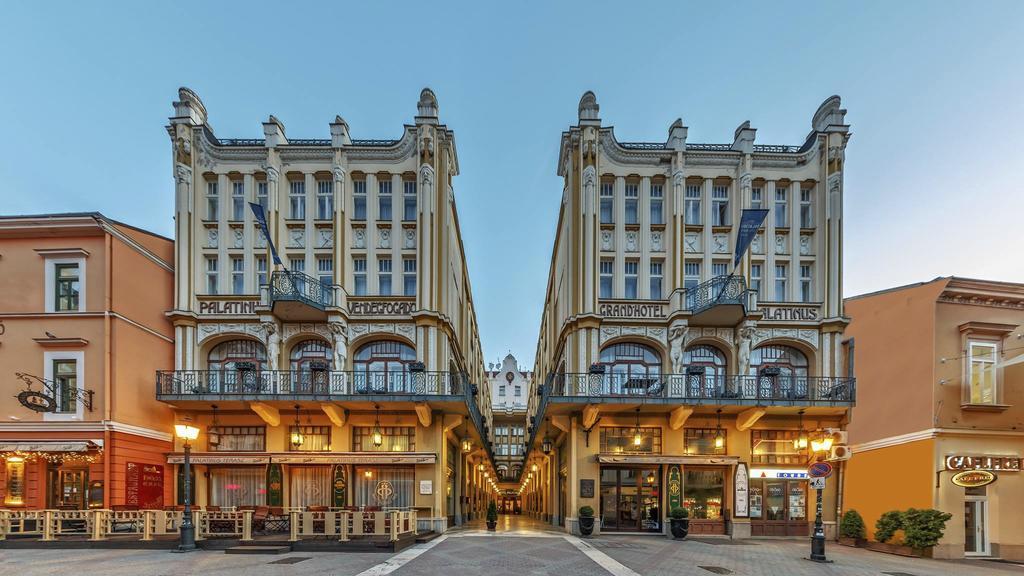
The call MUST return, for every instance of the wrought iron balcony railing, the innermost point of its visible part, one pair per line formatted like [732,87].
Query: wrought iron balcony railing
[298,287]
[286,383]
[703,389]
[717,291]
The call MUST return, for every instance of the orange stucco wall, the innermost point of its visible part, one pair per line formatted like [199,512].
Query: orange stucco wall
[893,478]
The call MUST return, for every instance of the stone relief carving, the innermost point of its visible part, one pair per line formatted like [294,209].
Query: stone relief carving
[744,335]
[325,238]
[293,329]
[805,245]
[340,332]
[208,329]
[359,238]
[834,181]
[653,332]
[427,182]
[296,237]
[606,240]
[361,329]
[212,238]
[631,243]
[384,240]
[805,335]
[780,244]
[410,239]
[757,244]
[272,174]
[656,241]
[589,184]
[273,345]
[237,238]
[260,240]
[721,243]
[677,343]
[184,174]
[339,184]
[692,242]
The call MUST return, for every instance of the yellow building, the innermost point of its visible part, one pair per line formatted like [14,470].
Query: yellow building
[668,376]
[350,373]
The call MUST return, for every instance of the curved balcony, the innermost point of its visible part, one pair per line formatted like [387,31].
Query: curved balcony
[701,389]
[287,384]
[297,297]
[721,301]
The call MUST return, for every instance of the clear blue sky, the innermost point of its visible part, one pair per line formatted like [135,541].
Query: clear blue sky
[934,92]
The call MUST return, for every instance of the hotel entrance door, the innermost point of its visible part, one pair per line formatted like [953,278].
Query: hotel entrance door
[976,526]
[631,499]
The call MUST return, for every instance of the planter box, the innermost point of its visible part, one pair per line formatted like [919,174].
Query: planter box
[853,542]
[899,550]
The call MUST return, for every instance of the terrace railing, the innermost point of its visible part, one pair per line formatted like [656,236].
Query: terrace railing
[178,383]
[720,290]
[298,287]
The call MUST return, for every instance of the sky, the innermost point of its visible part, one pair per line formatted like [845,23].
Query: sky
[934,93]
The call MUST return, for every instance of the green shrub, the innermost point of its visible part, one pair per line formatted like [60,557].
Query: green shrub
[492,512]
[852,525]
[887,525]
[924,528]
[678,513]
[586,512]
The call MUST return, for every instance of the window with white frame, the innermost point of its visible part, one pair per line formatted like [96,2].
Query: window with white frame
[325,270]
[756,197]
[607,204]
[607,267]
[324,199]
[65,381]
[409,195]
[806,207]
[237,201]
[632,196]
[384,200]
[720,206]
[657,277]
[780,282]
[262,196]
[691,274]
[384,276]
[756,273]
[66,287]
[719,269]
[359,199]
[781,207]
[409,276]
[806,275]
[297,199]
[657,203]
[212,201]
[261,272]
[237,275]
[981,358]
[632,266]
[691,207]
[359,276]
[211,275]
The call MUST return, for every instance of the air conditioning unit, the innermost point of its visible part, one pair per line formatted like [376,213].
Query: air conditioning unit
[839,436]
[840,452]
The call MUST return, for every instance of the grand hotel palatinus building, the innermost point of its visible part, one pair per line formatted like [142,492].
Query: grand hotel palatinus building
[666,377]
[350,375]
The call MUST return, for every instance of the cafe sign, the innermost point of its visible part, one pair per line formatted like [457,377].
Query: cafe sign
[993,463]
[973,478]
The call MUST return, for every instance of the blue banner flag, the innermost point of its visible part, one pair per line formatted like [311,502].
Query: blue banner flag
[750,221]
[261,220]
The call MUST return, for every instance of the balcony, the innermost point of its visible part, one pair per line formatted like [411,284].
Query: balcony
[693,389]
[721,301]
[204,385]
[296,297]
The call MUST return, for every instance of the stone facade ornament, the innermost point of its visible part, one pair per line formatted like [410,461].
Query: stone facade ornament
[757,244]
[325,238]
[237,238]
[273,345]
[691,242]
[212,238]
[427,182]
[410,239]
[810,336]
[606,240]
[260,239]
[631,243]
[744,336]
[296,237]
[721,243]
[359,238]
[589,185]
[677,344]
[656,245]
[210,329]
[340,333]
[805,245]
[339,184]
[780,244]
[385,238]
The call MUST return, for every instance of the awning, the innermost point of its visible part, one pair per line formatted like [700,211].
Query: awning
[665,459]
[306,458]
[30,446]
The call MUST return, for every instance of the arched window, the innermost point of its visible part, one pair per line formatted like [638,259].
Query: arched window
[502,471]
[310,354]
[383,367]
[705,371]
[781,372]
[236,355]
[631,368]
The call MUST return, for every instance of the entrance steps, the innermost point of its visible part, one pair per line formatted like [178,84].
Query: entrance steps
[258,549]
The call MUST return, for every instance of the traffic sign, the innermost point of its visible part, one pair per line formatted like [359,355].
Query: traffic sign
[819,470]
[817,483]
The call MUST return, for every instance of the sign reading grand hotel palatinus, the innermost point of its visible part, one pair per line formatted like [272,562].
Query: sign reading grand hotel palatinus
[227,307]
[630,310]
[789,313]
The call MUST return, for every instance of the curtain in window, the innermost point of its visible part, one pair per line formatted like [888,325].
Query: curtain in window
[243,486]
[310,485]
[372,491]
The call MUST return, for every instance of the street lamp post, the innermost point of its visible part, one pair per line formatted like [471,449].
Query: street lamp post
[187,532]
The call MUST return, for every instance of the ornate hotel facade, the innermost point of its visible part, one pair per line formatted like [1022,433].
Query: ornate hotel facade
[350,374]
[665,375]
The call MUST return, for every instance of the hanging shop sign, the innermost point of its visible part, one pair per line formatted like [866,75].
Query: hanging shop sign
[973,478]
[675,488]
[340,487]
[741,491]
[993,463]
[275,485]
[44,398]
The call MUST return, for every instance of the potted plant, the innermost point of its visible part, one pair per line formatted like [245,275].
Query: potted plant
[586,520]
[492,516]
[679,520]
[921,529]
[851,529]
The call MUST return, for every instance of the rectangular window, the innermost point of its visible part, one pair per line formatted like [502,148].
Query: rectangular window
[392,439]
[261,272]
[384,276]
[780,283]
[704,492]
[720,206]
[409,211]
[806,208]
[384,200]
[238,486]
[239,438]
[297,199]
[632,201]
[622,440]
[211,275]
[325,270]
[805,283]
[756,198]
[607,206]
[324,200]
[297,264]
[702,441]
[781,210]
[261,195]
[657,204]
[212,201]
[312,438]
[238,201]
[519,390]
[691,213]
[719,269]
[501,390]
[776,447]
[66,287]
[359,276]
[65,379]
[607,266]
[756,273]
[691,275]
[369,479]
[656,279]
[982,357]
[237,275]
[359,200]
[631,278]
[409,276]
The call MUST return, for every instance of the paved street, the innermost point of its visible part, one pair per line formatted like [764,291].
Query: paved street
[520,547]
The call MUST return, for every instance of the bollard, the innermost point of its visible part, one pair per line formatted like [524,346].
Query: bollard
[293,526]
[344,527]
[148,520]
[98,521]
[246,525]
[48,526]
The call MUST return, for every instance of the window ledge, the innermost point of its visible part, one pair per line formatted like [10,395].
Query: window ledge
[984,407]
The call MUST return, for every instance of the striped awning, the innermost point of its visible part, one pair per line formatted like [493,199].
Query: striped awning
[655,459]
[375,458]
[46,446]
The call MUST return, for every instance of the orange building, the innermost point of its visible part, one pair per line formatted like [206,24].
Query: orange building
[939,421]
[82,330]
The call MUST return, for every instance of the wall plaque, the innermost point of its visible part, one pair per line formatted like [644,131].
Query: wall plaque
[586,488]
[675,488]
[426,487]
[144,485]
[741,491]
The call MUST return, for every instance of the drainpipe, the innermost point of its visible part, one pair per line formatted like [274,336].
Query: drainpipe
[108,398]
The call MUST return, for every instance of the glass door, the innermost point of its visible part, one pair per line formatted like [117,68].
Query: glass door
[976,526]
[609,499]
[72,490]
[631,499]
